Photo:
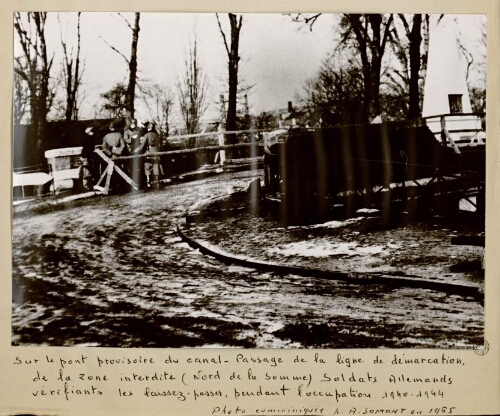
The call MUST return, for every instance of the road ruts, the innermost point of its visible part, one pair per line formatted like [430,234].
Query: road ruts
[112,272]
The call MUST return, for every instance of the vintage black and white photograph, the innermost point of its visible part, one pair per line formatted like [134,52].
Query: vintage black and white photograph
[270,180]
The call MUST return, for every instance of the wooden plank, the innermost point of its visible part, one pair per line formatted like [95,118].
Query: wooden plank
[105,172]
[109,172]
[102,155]
[451,141]
[471,202]
[214,133]
[102,178]
[456,115]
[125,177]
[108,178]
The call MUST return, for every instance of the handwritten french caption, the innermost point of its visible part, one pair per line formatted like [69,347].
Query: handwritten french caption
[236,383]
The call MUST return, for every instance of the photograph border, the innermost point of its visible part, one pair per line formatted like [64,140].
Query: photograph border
[477,385]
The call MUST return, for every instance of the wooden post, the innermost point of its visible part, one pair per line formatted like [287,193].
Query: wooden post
[443,131]
[98,186]
[111,165]
[222,153]
[108,172]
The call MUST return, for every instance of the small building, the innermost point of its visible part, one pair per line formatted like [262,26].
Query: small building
[300,117]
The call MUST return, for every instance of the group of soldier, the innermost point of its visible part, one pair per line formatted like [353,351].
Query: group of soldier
[133,141]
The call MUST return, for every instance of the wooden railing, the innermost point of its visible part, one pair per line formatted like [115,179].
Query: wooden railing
[446,133]
[103,184]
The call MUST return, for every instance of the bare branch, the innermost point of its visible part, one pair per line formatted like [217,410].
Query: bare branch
[222,33]
[405,24]
[386,33]
[467,55]
[116,50]
[126,21]
[308,20]
[22,74]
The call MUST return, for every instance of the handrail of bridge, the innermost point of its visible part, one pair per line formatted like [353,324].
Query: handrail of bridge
[193,150]
[454,114]
[217,132]
[446,137]
[29,169]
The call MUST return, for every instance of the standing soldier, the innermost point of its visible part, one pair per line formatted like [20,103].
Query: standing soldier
[271,172]
[113,145]
[131,135]
[152,164]
[133,146]
[88,159]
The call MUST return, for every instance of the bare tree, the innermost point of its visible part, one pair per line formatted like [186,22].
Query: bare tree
[159,101]
[192,91]
[34,68]
[367,36]
[131,62]
[370,32]
[72,74]
[232,50]
[475,58]
[479,94]
[21,98]
[335,90]
[410,48]
[115,105]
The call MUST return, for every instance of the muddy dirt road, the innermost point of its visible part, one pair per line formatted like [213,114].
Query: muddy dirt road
[111,271]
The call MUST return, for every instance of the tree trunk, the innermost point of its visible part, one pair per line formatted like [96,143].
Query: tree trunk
[376,65]
[371,46]
[133,68]
[233,61]
[68,114]
[415,41]
[425,54]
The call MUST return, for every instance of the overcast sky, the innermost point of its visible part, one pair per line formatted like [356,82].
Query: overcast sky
[277,55]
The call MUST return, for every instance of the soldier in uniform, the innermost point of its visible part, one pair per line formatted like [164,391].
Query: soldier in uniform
[131,135]
[114,146]
[152,164]
[133,145]
[89,162]
[112,143]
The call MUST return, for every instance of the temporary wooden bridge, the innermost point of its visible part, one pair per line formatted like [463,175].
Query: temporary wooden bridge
[378,165]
